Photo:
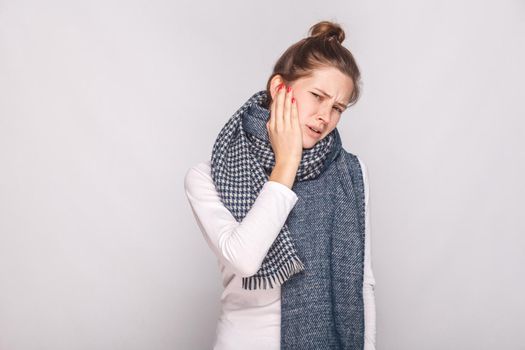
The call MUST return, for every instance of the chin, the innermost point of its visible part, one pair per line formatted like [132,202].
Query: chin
[308,145]
[309,141]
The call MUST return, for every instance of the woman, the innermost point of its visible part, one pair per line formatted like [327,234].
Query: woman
[285,209]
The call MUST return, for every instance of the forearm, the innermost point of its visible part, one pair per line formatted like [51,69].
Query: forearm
[284,172]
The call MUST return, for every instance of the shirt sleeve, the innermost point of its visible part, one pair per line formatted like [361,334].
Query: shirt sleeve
[368,275]
[240,245]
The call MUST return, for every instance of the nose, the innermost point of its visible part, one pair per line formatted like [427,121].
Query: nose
[324,114]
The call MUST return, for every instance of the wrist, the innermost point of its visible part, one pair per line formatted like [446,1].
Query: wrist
[284,173]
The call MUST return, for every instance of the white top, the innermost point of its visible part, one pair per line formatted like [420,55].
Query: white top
[250,319]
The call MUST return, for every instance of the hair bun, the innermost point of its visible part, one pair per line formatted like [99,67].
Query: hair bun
[327,30]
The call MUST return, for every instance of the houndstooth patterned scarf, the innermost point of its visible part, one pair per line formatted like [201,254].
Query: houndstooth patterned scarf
[240,165]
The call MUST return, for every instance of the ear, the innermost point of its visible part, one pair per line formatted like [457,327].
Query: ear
[274,83]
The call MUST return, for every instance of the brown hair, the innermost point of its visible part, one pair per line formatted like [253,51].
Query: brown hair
[322,48]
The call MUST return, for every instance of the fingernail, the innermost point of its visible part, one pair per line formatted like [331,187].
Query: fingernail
[280,87]
[289,88]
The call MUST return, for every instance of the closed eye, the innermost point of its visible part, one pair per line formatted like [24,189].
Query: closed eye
[336,108]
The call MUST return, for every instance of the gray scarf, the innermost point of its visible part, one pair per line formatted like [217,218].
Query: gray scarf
[319,252]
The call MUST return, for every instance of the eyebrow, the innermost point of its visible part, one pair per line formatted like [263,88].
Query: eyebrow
[339,103]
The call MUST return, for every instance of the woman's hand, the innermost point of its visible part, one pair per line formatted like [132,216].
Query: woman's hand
[286,137]
[284,130]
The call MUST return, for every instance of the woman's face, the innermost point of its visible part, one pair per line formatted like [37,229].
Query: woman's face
[315,108]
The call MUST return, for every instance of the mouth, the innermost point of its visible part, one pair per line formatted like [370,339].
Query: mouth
[314,132]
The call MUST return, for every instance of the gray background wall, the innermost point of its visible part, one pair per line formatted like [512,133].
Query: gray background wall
[101,101]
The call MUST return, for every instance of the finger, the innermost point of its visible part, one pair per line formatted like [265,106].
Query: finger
[279,108]
[271,120]
[287,108]
[295,113]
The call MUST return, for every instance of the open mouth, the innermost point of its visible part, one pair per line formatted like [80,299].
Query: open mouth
[318,132]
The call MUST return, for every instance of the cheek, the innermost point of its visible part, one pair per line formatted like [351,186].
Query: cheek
[304,110]
[333,124]
[302,119]
[335,121]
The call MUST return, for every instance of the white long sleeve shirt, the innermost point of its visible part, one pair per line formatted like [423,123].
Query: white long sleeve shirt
[251,318]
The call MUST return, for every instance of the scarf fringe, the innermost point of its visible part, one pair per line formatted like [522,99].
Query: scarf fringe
[293,266]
